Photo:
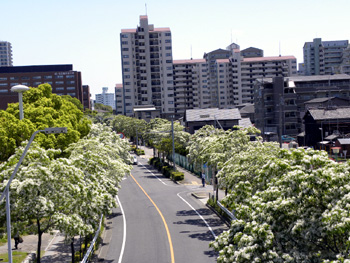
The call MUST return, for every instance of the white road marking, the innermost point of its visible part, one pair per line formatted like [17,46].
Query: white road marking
[201,217]
[160,180]
[124,231]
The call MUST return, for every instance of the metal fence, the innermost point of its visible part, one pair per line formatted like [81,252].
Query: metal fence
[197,169]
[92,245]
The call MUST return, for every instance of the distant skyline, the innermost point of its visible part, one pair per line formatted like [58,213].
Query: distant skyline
[86,33]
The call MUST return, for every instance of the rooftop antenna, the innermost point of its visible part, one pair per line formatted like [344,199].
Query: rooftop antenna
[280,48]
[191,53]
[146,8]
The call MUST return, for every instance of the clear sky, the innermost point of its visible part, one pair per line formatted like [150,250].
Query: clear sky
[85,33]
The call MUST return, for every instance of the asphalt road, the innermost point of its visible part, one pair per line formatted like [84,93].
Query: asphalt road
[160,221]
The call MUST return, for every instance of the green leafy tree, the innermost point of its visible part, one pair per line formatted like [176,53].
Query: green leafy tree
[42,109]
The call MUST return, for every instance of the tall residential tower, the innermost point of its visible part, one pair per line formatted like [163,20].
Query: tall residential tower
[5,54]
[147,68]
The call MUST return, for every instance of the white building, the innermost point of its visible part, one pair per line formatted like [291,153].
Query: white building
[147,67]
[119,99]
[191,90]
[5,54]
[106,98]
[236,75]
[323,57]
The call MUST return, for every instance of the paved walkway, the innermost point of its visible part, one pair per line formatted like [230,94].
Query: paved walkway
[56,250]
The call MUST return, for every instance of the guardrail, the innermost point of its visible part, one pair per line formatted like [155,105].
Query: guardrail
[231,215]
[90,250]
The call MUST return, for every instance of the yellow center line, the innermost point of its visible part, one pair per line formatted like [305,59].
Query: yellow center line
[164,222]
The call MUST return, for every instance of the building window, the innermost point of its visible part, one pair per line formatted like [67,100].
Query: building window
[3,78]
[125,49]
[70,77]
[70,88]
[125,56]
[124,42]
[168,54]
[60,88]
[124,36]
[25,78]
[71,82]
[37,77]
[47,77]
[3,90]
[36,83]
[168,34]
[71,94]
[59,82]
[14,78]
[3,84]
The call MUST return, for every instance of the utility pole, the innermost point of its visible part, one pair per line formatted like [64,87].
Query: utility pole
[172,135]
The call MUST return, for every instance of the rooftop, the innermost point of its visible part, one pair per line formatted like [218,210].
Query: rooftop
[330,114]
[36,68]
[188,61]
[258,59]
[212,114]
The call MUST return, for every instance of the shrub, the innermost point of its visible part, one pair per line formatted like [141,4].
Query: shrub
[139,152]
[166,170]
[177,176]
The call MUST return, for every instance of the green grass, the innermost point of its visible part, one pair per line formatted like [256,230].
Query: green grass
[17,257]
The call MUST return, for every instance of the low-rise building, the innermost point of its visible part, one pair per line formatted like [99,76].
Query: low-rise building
[62,78]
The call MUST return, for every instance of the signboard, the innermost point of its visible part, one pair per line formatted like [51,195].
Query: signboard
[121,135]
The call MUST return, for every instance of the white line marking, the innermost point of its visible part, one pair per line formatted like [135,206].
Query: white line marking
[211,230]
[160,180]
[124,231]
[51,240]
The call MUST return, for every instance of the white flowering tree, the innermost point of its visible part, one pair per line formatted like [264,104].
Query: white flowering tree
[291,206]
[215,146]
[44,192]
[68,194]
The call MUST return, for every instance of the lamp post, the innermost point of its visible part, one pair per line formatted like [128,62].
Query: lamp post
[321,129]
[20,89]
[7,188]
[336,151]
[172,136]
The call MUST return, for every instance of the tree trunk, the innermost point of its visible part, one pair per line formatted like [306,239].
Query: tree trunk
[72,249]
[38,252]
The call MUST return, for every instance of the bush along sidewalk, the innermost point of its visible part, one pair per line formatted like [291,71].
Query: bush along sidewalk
[137,151]
[166,169]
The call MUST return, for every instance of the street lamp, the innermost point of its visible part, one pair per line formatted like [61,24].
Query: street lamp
[7,188]
[336,151]
[20,89]
[321,129]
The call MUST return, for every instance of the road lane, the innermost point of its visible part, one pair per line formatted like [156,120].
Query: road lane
[146,239]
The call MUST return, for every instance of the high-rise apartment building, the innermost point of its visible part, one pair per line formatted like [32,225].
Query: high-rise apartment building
[5,54]
[235,76]
[211,59]
[323,57]
[191,90]
[106,98]
[147,68]
[119,99]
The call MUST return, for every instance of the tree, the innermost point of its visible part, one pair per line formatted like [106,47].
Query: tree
[291,206]
[42,109]
[68,194]
[100,106]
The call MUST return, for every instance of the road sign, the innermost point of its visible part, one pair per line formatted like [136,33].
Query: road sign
[121,135]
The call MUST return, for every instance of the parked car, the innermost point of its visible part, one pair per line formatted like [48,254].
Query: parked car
[135,160]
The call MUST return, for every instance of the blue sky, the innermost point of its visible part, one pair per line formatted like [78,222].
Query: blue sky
[85,33]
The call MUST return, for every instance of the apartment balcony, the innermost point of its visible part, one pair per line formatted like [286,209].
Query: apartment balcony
[154,42]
